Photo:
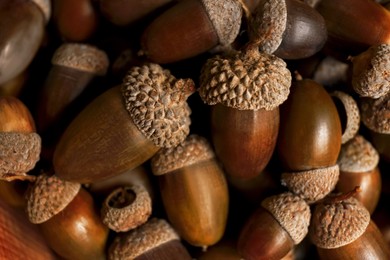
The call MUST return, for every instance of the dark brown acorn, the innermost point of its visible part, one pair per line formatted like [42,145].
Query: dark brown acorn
[382,144]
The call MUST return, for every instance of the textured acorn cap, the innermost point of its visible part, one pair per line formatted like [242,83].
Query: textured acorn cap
[358,155]
[82,57]
[247,80]
[371,77]
[353,115]
[138,241]
[156,102]
[225,15]
[269,21]
[312,185]
[19,152]
[337,224]
[132,214]
[193,150]
[375,114]
[45,6]
[292,213]
[48,196]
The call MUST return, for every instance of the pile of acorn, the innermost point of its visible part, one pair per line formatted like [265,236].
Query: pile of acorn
[194,129]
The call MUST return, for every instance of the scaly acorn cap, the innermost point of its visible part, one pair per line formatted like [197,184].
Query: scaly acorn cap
[312,185]
[156,102]
[48,196]
[126,208]
[370,76]
[339,223]
[375,114]
[353,115]
[358,155]
[19,152]
[245,80]
[292,213]
[81,57]
[136,242]
[45,7]
[194,149]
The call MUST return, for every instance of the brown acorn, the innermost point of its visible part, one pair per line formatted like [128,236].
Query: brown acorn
[67,217]
[14,86]
[290,29]
[22,25]
[375,113]
[382,144]
[330,72]
[125,126]
[271,232]
[244,89]
[12,193]
[190,28]
[193,190]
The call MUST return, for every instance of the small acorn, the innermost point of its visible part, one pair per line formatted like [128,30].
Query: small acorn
[244,88]
[271,232]
[67,217]
[193,190]
[375,113]
[22,25]
[290,29]
[125,126]
[190,28]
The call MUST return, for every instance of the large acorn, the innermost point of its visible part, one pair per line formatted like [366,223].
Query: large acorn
[125,126]
[244,89]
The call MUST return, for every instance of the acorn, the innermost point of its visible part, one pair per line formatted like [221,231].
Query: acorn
[331,72]
[271,232]
[14,86]
[22,25]
[225,249]
[125,126]
[290,29]
[12,193]
[375,113]
[358,162]
[67,218]
[156,240]
[381,143]
[20,145]
[244,88]
[341,229]
[190,28]
[193,190]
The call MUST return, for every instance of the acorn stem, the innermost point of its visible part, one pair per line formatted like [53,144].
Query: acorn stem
[342,197]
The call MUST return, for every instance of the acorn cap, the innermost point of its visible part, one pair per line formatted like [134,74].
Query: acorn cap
[247,80]
[121,214]
[353,115]
[82,57]
[136,242]
[48,196]
[45,7]
[156,102]
[225,15]
[194,149]
[292,213]
[19,152]
[375,114]
[269,21]
[371,77]
[337,224]
[312,185]
[358,155]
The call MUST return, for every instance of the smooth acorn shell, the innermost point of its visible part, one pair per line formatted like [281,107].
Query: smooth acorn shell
[172,250]
[77,232]
[310,128]
[12,193]
[382,144]
[244,140]
[22,26]
[195,198]
[15,116]
[226,249]
[101,142]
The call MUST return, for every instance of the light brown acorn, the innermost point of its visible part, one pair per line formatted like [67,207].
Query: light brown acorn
[193,190]
[125,126]
[244,89]
[20,146]
[22,25]
[190,28]
[67,217]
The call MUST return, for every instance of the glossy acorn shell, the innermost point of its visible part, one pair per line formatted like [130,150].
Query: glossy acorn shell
[244,140]
[77,232]
[101,142]
[310,128]
[382,143]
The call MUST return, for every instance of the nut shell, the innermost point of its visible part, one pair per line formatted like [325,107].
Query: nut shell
[45,7]
[375,114]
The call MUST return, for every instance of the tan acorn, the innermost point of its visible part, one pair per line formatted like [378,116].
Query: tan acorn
[375,113]
[193,190]
[125,126]
[244,88]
